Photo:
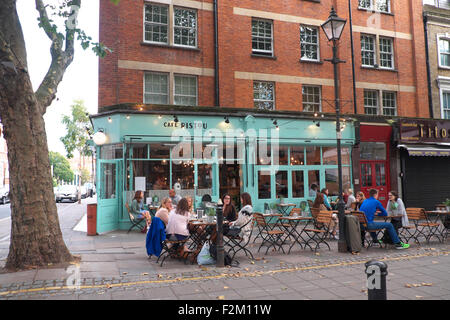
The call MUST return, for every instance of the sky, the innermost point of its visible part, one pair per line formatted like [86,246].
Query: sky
[80,81]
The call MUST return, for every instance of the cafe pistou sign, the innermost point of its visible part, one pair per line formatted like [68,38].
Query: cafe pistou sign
[424,131]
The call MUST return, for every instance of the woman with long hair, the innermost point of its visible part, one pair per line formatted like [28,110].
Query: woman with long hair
[360,197]
[319,203]
[137,209]
[229,210]
[164,210]
[177,227]
[396,207]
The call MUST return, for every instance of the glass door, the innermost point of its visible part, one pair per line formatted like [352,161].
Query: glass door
[109,186]
[206,178]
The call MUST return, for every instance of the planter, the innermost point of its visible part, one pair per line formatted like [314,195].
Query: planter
[210,219]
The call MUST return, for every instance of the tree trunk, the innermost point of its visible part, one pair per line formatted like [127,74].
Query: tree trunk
[36,238]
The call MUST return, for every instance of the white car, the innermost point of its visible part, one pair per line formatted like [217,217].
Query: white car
[4,194]
[66,192]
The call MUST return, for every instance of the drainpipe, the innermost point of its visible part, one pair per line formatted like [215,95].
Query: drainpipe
[430,98]
[355,109]
[216,55]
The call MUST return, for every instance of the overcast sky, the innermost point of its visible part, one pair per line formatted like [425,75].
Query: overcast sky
[81,78]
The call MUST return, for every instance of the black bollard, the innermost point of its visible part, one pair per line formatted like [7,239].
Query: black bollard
[376,272]
[219,240]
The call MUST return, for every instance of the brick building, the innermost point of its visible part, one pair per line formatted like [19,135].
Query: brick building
[261,63]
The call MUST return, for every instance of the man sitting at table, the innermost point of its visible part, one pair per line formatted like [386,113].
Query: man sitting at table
[369,207]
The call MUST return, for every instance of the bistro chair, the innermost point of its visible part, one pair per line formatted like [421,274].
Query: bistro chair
[238,243]
[270,237]
[319,235]
[170,249]
[422,225]
[363,222]
[135,222]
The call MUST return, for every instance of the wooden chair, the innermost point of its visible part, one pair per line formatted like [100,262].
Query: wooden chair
[135,222]
[170,249]
[234,244]
[295,211]
[270,237]
[363,222]
[323,219]
[422,225]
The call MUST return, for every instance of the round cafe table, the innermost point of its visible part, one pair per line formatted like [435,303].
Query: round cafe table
[285,208]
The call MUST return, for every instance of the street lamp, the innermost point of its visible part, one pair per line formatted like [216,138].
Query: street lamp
[333,28]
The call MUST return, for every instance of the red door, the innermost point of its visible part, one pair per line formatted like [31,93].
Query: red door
[374,176]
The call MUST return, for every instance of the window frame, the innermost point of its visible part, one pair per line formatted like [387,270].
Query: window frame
[308,43]
[443,110]
[145,23]
[371,106]
[320,98]
[264,52]
[168,85]
[382,52]
[373,6]
[445,37]
[395,108]
[374,52]
[196,87]
[173,27]
[261,100]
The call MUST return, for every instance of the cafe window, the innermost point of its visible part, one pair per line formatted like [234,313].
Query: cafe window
[298,184]
[329,155]
[372,151]
[312,156]
[264,188]
[264,153]
[332,182]
[313,178]
[156,173]
[282,155]
[183,174]
[297,156]
[112,151]
[140,151]
[204,176]
[159,151]
[281,181]
[108,184]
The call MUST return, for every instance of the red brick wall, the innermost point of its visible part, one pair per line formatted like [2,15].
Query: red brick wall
[235,54]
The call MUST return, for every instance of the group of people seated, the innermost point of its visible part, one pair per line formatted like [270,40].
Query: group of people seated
[369,206]
[175,213]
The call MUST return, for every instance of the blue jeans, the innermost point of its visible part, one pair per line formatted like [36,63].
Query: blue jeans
[383,225]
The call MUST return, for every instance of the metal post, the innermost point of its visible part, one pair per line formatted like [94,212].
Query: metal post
[376,272]
[219,240]
[342,244]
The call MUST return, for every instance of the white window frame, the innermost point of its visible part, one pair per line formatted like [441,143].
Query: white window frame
[383,107]
[375,55]
[196,86]
[444,87]
[391,53]
[263,52]
[372,6]
[261,100]
[316,44]
[168,84]
[320,97]
[377,95]
[440,37]
[173,27]
[380,104]
[168,22]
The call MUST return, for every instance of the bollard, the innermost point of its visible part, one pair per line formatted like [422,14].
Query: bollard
[376,272]
[219,240]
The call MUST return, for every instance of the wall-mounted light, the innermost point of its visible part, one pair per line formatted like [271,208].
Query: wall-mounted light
[317,123]
[128,116]
[109,119]
[227,121]
[160,117]
[175,119]
[99,137]
[275,123]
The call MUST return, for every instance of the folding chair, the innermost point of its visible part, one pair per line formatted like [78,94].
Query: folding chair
[322,222]
[268,235]
[135,222]
[363,222]
[238,243]
[416,215]
[170,248]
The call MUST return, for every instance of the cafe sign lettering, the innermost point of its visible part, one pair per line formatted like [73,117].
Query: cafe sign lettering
[424,131]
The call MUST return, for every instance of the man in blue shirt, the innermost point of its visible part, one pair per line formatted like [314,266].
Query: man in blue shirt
[369,207]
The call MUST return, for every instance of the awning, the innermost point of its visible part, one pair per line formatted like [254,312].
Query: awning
[427,151]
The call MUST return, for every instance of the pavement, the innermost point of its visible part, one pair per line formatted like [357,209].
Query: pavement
[115,266]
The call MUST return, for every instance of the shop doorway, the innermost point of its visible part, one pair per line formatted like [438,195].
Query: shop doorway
[109,195]
[374,176]
[230,181]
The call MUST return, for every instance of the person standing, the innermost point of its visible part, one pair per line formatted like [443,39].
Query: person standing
[369,207]
[174,197]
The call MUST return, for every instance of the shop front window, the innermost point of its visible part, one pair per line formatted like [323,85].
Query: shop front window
[264,153]
[332,182]
[183,175]
[312,156]
[112,151]
[298,184]
[281,181]
[140,151]
[156,173]
[204,176]
[159,151]
[372,151]
[297,156]
[264,189]
[108,185]
[329,155]
[314,178]
[282,155]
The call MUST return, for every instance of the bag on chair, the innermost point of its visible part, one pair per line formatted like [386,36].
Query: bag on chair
[352,233]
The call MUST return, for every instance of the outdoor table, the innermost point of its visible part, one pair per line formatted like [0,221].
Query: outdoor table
[290,228]
[285,208]
[439,215]
[199,231]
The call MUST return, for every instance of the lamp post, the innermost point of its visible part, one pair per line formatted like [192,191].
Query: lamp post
[333,28]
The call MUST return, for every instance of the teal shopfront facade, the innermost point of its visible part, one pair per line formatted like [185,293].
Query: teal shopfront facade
[273,156]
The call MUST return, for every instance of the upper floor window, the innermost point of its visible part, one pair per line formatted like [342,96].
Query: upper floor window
[446,104]
[156,88]
[264,95]
[444,51]
[375,5]
[372,100]
[381,58]
[156,23]
[368,57]
[262,37]
[158,91]
[185,90]
[389,103]
[386,53]
[185,27]
[311,98]
[309,43]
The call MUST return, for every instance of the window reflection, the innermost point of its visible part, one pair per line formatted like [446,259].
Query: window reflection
[183,174]
[297,156]
[312,156]
[264,189]
[281,184]
[332,182]
[108,186]
[329,155]
[298,185]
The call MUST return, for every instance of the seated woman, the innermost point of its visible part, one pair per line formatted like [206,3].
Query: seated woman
[164,210]
[137,209]
[360,197]
[229,210]
[319,203]
[191,206]
[177,226]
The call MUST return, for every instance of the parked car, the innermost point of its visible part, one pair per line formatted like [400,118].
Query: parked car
[84,192]
[4,194]
[66,192]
